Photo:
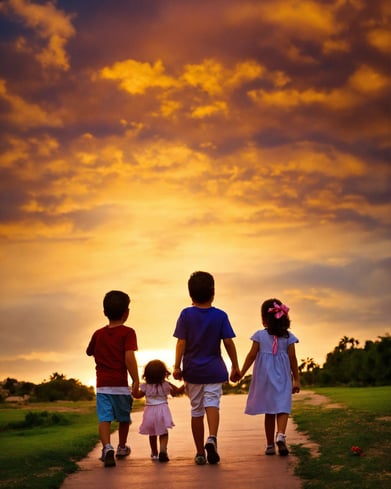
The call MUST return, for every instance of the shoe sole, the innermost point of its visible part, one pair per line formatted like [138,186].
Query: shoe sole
[282,449]
[109,460]
[119,455]
[211,454]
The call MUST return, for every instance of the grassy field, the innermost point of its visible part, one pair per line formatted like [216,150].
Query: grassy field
[363,420]
[42,443]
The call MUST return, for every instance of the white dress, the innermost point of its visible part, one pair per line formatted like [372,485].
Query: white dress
[271,385]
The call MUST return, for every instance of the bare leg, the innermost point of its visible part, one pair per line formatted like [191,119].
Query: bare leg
[163,441]
[197,428]
[104,432]
[270,427]
[153,444]
[282,421]
[123,430]
[213,418]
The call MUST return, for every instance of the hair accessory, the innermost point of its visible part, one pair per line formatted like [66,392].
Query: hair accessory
[279,310]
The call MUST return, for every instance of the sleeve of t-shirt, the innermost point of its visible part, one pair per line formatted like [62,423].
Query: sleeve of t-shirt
[227,331]
[91,346]
[180,332]
[131,340]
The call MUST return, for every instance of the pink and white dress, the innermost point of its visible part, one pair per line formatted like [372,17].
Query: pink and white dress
[157,415]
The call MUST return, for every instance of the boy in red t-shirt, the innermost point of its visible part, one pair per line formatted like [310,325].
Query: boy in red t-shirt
[113,348]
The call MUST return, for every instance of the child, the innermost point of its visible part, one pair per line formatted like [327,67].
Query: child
[157,416]
[199,332]
[271,388]
[113,348]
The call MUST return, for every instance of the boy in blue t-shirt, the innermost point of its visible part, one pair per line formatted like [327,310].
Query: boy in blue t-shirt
[199,332]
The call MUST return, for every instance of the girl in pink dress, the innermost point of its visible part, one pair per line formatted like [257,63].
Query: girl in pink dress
[157,415]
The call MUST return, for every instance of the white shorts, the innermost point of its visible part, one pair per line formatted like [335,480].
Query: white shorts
[202,396]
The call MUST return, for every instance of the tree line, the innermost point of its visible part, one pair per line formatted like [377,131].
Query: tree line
[349,365]
[346,365]
[58,388]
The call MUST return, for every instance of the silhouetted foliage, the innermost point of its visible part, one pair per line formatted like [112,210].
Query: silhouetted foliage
[58,388]
[349,365]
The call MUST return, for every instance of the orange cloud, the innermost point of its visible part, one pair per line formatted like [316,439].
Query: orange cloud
[50,24]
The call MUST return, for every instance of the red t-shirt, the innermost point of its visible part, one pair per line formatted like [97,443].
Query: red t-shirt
[108,346]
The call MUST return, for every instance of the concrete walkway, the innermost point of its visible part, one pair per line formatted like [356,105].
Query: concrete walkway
[241,443]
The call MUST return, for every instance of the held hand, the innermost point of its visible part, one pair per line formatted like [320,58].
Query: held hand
[177,374]
[235,375]
[135,388]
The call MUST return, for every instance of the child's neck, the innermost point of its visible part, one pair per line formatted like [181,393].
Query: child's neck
[202,305]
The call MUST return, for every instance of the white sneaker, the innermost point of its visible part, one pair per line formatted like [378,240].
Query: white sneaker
[281,443]
[108,456]
[211,451]
[270,450]
[123,452]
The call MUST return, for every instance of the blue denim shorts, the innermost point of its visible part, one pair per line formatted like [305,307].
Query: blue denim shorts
[112,407]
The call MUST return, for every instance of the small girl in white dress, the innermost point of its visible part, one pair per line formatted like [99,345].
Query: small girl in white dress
[275,373]
[157,415]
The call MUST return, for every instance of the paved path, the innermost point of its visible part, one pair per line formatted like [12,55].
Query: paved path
[241,442]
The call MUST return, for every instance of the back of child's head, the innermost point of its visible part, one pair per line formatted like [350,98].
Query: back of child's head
[275,317]
[201,287]
[155,372]
[115,304]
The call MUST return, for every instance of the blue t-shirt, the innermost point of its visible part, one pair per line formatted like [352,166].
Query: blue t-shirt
[203,329]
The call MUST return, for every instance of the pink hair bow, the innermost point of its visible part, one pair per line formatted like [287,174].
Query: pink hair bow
[279,310]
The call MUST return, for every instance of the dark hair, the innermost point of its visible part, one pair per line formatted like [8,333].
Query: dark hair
[115,304]
[201,287]
[155,372]
[275,326]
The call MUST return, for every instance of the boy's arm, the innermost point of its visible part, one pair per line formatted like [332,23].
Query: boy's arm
[231,350]
[131,365]
[251,356]
[294,368]
[179,352]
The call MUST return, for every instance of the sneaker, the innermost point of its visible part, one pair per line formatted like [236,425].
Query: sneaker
[108,456]
[163,457]
[123,452]
[154,457]
[281,443]
[211,450]
[200,459]
[270,450]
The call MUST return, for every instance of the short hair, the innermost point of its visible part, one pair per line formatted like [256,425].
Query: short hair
[115,304]
[201,287]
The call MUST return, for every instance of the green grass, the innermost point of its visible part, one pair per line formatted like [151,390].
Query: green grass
[42,456]
[364,420]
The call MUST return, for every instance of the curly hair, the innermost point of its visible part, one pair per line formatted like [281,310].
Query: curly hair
[155,372]
[275,326]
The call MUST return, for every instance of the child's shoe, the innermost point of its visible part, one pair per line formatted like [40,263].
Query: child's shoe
[200,459]
[211,450]
[163,457]
[123,452]
[281,443]
[270,450]
[108,456]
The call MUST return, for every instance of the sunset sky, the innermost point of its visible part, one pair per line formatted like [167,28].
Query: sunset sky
[143,140]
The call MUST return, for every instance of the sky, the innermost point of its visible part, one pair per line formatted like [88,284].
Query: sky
[142,141]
